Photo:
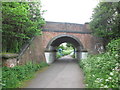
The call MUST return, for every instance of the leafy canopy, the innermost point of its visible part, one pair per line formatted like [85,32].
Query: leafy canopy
[105,21]
[20,22]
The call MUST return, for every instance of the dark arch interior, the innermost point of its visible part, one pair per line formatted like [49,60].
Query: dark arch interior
[51,49]
[67,39]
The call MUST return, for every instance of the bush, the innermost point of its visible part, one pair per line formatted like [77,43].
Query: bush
[13,77]
[66,52]
[20,22]
[101,71]
[114,47]
[58,55]
[63,53]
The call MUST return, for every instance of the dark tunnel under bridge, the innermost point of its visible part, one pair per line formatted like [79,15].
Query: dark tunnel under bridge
[50,52]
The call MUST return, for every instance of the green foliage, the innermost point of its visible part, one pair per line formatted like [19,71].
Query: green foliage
[1,78]
[61,46]
[73,55]
[114,47]
[14,77]
[101,71]
[58,55]
[20,22]
[64,53]
[105,20]
[66,50]
[69,45]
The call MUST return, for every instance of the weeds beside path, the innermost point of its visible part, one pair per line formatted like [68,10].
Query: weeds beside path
[26,82]
[102,70]
[63,73]
[15,77]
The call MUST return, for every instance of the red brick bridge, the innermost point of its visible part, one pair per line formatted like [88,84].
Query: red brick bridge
[43,47]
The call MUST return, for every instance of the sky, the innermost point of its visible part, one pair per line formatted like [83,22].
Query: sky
[73,11]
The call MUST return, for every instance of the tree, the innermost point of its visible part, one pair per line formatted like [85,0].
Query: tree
[20,22]
[61,46]
[69,45]
[105,21]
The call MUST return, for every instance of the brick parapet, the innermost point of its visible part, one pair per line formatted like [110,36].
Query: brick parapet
[67,26]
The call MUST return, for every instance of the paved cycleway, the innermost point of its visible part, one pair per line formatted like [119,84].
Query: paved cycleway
[63,73]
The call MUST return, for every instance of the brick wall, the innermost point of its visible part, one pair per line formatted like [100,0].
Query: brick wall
[35,52]
[87,40]
[67,26]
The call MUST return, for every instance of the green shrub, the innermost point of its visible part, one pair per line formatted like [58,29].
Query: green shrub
[20,22]
[58,55]
[101,71]
[1,78]
[114,47]
[13,77]
[66,52]
[73,56]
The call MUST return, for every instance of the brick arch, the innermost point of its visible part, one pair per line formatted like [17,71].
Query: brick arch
[80,31]
[52,32]
[57,40]
[50,52]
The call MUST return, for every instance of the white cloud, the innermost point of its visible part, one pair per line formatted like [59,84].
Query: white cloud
[74,11]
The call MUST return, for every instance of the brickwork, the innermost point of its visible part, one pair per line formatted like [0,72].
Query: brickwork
[67,26]
[35,52]
[87,40]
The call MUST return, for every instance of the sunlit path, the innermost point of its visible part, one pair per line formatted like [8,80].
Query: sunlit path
[64,73]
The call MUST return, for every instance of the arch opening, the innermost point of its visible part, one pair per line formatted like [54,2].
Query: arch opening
[51,49]
[65,50]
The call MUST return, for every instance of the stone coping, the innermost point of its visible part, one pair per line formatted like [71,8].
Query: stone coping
[8,55]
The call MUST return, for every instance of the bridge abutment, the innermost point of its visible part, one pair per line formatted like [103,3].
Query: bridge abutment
[43,47]
[50,54]
[50,57]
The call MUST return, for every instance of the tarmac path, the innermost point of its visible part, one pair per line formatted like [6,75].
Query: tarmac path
[63,73]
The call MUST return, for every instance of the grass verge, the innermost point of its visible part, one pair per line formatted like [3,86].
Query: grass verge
[15,77]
